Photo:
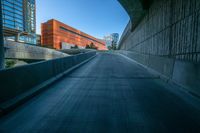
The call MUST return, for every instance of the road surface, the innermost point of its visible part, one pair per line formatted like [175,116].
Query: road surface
[109,94]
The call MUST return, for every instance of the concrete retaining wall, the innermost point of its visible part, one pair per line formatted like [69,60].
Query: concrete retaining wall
[15,50]
[160,64]
[21,79]
[167,40]
[187,74]
[170,28]
[183,73]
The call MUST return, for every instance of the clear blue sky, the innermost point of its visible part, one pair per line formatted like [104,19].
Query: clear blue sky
[95,17]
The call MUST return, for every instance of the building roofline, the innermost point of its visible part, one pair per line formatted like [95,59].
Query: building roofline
[79,31]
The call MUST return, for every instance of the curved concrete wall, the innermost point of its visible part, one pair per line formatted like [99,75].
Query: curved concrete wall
[21,79]
[15,50]
[183,73]
[167,40]
[170,28]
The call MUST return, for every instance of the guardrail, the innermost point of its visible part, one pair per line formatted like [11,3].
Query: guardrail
[19,80]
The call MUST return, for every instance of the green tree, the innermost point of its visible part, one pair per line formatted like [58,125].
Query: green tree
[74,47]
[91,46]
[87,46]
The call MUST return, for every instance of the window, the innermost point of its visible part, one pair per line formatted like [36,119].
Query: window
[67,30]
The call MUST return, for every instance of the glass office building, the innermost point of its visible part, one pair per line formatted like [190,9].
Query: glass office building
[19,20]
[111,39]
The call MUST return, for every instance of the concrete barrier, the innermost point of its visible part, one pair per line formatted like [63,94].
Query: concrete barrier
[15,50]
[187,74]
[16,81]
[162,65]
[76,51]
[183,73]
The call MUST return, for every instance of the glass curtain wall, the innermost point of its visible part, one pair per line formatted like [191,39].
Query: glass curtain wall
[13,14]
[30,21]
[19,15]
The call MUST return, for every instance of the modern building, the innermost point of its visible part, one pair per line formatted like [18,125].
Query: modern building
[19,20]
[57,35]
[108,40]
[115,38]
[111,39]
[38,38]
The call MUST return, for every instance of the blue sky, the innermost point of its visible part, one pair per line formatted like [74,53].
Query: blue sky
[95,17]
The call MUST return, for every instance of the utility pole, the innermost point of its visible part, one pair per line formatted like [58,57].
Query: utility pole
[1,39]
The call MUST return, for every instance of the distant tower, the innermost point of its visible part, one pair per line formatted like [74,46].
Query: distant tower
[115,38]
[108,40]
[111,39]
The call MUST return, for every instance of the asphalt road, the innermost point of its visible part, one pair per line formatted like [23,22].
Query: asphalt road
[109,94]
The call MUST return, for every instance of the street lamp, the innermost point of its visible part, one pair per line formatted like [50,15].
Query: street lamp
[1,39]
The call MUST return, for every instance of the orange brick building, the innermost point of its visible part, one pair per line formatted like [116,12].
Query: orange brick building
[54,33]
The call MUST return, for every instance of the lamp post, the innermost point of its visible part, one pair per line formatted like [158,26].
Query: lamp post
[1,39]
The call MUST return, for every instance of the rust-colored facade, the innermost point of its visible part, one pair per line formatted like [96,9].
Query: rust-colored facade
[54,33]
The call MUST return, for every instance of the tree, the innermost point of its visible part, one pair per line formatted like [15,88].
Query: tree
[113,46]
[87,46]
[91,46]
[74,47]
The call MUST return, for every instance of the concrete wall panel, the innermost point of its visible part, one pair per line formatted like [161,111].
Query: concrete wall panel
[187,74]
[169,28]
[30,52]
[20,79]
[168,40]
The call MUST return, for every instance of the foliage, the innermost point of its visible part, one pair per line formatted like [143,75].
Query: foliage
[74,47]
[91,46]
[112,47]
[10,63]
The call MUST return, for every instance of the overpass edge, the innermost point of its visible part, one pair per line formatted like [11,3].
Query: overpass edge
[17,101]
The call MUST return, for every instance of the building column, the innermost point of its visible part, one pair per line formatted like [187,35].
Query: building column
[1,39]
[17,37]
